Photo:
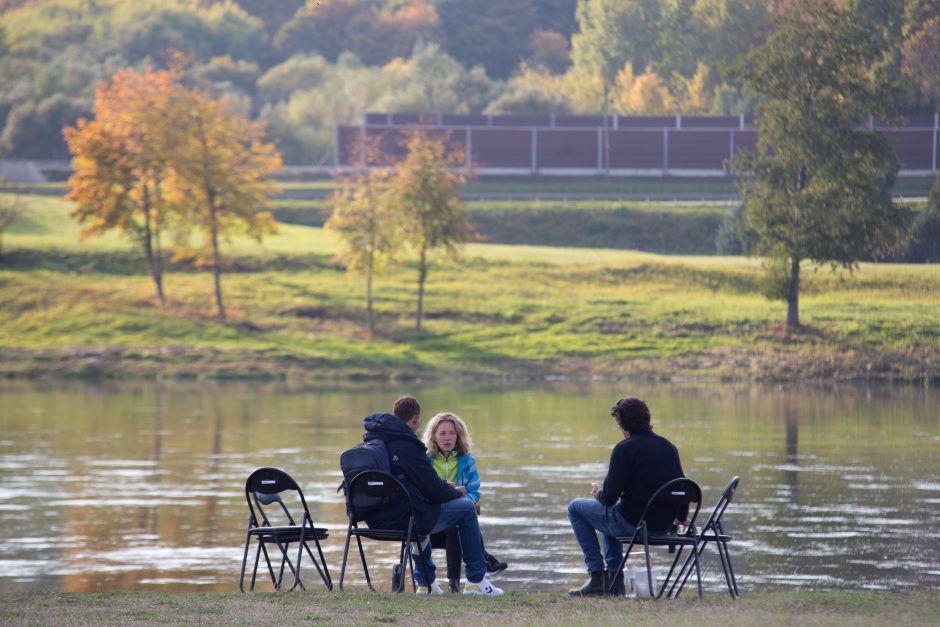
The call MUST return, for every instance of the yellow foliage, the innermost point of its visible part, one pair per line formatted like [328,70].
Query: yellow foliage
[642,95]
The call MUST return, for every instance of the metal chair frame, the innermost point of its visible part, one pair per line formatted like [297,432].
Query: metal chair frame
[681,491]
[382,488]
[263,488]
[712,531]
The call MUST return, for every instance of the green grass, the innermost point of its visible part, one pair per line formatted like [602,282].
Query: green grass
[663,227]
[87,308]
[768,609]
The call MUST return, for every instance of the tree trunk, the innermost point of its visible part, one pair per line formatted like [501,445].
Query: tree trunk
[793,294]
[216,259]
[422,275]
[148,248]
[369,312]
[606,131]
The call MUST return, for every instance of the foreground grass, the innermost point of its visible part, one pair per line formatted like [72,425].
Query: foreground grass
[73,308]
[303,608]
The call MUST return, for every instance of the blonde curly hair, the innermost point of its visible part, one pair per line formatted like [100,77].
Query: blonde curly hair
[462,447]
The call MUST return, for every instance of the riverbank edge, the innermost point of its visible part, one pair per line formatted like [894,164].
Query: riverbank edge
[361,607]
[919,366]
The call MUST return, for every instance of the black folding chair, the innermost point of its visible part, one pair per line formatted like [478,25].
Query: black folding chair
[712,531]
[263,489]
[371,491]
[676,493]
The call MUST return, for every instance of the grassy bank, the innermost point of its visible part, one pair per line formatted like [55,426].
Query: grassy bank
[304,608]
[659,227]
[87,309]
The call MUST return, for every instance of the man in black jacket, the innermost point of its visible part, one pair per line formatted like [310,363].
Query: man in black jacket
[438,504]
[639,464]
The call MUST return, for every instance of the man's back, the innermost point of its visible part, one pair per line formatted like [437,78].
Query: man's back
[639,465]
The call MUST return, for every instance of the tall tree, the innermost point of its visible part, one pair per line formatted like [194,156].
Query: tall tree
[363,220]
[424,189]
[818,185]
[614,32]
[223,169]
[122,161]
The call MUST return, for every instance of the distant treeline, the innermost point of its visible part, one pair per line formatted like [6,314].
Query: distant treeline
[305,66]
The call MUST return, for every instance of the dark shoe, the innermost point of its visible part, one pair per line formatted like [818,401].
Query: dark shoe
[619,588]
[493,565]
[453,585]
[596,586]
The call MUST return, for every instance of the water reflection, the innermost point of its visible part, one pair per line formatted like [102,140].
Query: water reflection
[140,486]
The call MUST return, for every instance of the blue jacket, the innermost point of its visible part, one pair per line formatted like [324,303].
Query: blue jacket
[467,475]
[407,457]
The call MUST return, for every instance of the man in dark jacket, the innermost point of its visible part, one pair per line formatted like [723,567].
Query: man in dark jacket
[438,504]
[639,464]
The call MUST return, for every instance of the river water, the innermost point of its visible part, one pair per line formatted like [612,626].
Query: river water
[128,486]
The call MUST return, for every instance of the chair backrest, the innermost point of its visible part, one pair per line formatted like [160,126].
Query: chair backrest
[677,493]
[373,491]
[264,487]
[714,520]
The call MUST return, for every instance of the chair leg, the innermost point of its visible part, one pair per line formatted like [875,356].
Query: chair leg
[730,579]
[342,571]
[262,548]
[285,559]
[662,589]
[241,580]
[326,569]
[424,568]
[365,567]
[324,572]
[649,565]
[698,570]
[301,543]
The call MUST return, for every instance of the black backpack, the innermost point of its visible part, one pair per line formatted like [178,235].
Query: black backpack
[370,455]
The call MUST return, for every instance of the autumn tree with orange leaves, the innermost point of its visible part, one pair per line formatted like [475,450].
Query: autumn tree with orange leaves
[223,169]
[161,156]
[122,164]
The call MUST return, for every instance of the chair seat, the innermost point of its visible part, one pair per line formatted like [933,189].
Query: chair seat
[288,533]
[385,534]
[709,536]
[661,540]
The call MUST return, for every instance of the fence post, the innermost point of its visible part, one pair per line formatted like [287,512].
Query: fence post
[600,148]
[534,147]
[936,131]
[730,146]
[336,145]
[665,149]
[469,147]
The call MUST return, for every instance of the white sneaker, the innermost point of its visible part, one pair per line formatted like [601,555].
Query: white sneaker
[483,587]
[435,589]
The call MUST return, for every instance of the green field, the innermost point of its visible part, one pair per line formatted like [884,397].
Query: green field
[87,308]
[767,609]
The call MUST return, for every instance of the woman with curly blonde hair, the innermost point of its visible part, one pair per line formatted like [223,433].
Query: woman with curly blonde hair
[448,441]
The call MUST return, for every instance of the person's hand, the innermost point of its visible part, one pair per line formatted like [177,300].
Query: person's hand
[461,489]
[595,489]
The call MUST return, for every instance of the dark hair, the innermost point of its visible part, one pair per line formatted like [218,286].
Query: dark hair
[406,408]
[632,414]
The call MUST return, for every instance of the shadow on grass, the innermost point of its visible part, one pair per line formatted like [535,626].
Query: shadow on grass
[132,263]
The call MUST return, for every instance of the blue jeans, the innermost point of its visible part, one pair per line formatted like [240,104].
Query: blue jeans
[456,513]
[588,516]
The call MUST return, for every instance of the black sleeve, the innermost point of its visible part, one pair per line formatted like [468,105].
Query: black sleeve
[417,468]
[616,477]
